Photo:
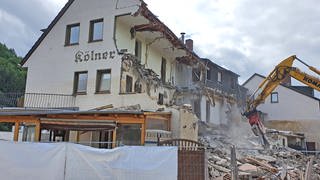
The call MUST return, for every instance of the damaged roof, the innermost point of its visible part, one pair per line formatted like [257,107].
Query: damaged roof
[154,25]
[206,60]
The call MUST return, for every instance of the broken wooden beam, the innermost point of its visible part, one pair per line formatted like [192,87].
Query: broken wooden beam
[263,165]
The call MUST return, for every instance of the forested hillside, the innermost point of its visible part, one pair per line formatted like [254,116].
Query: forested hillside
[12,76]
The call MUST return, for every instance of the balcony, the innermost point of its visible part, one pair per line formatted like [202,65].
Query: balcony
[37,100]
[221,87]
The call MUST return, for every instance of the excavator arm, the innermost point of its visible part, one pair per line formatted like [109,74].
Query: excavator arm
[282,71]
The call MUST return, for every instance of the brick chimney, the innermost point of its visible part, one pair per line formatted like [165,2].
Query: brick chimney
[189,44]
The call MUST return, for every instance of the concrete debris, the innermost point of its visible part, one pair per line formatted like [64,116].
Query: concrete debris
[136,107]
[253,162]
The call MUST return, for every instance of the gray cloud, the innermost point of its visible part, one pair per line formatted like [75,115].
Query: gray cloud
[21,21]
[246,36]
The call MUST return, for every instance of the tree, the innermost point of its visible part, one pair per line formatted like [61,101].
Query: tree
[12,76]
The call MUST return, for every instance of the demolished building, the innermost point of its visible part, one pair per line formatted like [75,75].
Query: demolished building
[118,57]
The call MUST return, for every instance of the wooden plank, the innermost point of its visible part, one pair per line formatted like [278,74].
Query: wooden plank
[309,169]
[18,120]
[143,133]
[37,132]
[114,137]
[16,131]
[263,165]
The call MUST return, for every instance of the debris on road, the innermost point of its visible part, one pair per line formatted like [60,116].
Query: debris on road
[253,161]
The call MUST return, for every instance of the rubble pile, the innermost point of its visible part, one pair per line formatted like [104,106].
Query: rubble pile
[253,161]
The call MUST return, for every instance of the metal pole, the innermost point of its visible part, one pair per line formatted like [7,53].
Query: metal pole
[234,168]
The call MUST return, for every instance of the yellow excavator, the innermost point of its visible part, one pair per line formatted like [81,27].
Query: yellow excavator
[281,72]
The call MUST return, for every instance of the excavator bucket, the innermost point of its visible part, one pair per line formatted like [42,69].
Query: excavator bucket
[257,127]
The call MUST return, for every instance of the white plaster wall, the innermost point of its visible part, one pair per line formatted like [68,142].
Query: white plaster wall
[292,105]
[52,65]
[183,75]
[215,113]
[203,109]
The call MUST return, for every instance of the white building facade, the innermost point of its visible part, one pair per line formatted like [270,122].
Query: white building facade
[117,54]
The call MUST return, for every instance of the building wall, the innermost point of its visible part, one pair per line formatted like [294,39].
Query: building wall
[52,66]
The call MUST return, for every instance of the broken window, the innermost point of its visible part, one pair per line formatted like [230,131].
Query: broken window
[72,34]
[128,84]
[96,30]
[219,77]
[160,100]
[138,50]
[195,75]
[154,123]
[208,111]
[196,108]
[163,70]
[137,87]
[80,82]
[208,74]
[129,134]
[103,84]
[274,97]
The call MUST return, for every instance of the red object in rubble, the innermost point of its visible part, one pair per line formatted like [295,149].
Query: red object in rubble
[254,118]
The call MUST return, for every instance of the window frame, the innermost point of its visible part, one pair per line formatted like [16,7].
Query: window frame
[68,34]
[219,79]
[208,113]
[209,74]
[100,73]
[76,83]
[91,30]
[271,97]
[127,87]
[163,70]
[138,50]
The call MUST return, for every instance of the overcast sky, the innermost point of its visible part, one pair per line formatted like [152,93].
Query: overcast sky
[245,36]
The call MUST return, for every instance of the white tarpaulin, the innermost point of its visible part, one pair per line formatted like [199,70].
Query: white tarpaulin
[58,161]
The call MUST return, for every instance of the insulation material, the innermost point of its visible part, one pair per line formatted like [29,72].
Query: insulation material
[71,161]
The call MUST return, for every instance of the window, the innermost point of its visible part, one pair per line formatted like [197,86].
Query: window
[137,50]
[103,84]
[80,82]
[197,108]
[160,99]
[219,77]
[96,30]
[128,84]
[233,83]
[208,74]
[72,34]
[274,97]
[163,70]
[196,75]
[207,111]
